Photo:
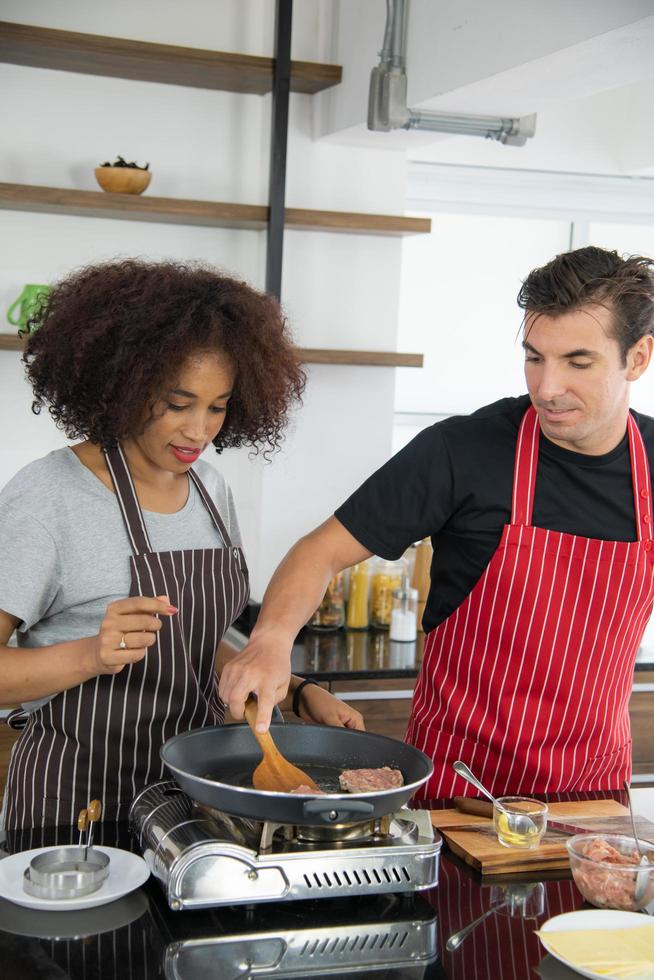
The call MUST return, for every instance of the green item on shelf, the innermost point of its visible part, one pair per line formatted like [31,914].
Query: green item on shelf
[26,305]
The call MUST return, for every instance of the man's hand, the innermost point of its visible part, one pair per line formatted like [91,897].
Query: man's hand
[262,668]
[321,708]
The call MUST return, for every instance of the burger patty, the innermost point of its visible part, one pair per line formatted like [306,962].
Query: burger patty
[370,780]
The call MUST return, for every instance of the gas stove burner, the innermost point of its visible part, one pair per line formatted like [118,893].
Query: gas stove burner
[204,857]
[371,831]
[335,834]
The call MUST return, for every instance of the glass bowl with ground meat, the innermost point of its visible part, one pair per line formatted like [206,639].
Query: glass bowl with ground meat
[608,872]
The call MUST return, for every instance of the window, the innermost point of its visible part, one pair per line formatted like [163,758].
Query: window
[458,289]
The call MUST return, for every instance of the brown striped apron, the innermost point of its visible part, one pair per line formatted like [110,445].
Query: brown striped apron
[102,739]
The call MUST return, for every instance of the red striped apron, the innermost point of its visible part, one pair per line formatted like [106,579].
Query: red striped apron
[102,739]
[528,680]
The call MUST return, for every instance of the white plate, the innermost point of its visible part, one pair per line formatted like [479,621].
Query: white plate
[127,871]
[605,919]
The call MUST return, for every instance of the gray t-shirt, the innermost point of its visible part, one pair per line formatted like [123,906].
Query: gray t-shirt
[64,550]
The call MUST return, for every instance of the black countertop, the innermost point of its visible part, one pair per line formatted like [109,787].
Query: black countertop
[364,655]
[139,937]
[352,654]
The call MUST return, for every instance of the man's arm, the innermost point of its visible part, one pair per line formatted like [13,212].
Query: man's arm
[295,592]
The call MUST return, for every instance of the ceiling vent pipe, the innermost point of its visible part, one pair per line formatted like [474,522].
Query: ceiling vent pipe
[387,100]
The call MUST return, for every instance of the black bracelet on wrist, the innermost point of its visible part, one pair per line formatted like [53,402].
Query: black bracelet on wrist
[298,691]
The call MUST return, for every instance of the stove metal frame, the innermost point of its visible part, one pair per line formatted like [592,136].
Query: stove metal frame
[202,860]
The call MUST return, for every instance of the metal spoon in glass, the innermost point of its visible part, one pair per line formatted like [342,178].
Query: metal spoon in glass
[642,881]
[519,823]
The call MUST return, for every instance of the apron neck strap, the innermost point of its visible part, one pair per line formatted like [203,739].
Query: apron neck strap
[131,509]
[128,501]
[211,507]
[641,480]
[524,471]
[526,463]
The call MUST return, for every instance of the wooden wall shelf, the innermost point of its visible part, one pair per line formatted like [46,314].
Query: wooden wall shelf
[370,358]
[306,355]
[94,54]
[215,214]
[9,341]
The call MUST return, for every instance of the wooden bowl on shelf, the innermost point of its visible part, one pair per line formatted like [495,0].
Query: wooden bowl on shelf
[122,180]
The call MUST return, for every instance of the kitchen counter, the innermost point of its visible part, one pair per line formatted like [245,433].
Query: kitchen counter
[347,654]
[358,654]
[139,937]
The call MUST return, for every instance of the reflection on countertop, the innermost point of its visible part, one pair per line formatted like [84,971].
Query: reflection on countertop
[350,654]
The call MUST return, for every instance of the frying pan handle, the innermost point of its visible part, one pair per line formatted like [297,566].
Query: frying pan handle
[349,812]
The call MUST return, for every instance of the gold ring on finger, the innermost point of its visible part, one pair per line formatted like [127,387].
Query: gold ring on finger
[122,645]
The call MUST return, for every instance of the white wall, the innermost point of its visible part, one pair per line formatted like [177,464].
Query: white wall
[339,291]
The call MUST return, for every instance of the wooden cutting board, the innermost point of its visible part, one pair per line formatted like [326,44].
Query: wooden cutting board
[474,840]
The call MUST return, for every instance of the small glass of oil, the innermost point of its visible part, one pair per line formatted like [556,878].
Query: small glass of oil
[525,834]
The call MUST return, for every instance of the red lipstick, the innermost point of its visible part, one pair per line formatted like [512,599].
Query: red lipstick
[185,454]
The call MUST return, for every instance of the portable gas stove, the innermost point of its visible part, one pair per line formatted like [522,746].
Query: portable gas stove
[203,857]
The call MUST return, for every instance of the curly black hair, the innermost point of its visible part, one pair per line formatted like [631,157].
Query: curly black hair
[110,338]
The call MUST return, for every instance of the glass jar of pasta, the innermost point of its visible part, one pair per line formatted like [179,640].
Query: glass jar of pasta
[386,576]
[358,600]
[330,614]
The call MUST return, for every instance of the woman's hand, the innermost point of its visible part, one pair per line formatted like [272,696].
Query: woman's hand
[321,708]
[129,627]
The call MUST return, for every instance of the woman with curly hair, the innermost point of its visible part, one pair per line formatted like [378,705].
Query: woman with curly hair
[122,564]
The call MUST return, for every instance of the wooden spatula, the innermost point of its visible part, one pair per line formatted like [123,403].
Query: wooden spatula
[274,772]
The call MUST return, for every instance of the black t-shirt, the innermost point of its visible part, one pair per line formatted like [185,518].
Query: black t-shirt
[454,483]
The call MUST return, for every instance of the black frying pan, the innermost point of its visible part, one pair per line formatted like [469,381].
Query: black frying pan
[214,766]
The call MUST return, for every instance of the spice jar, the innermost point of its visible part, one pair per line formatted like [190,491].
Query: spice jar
[404,614]
[330,614]
[386,576]
[358,598]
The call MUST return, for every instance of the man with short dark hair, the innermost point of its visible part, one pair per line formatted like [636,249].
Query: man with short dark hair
[542,583]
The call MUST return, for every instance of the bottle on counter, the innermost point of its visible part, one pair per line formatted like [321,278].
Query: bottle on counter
[330,614]
[359,597]
[386,576]
[404,614]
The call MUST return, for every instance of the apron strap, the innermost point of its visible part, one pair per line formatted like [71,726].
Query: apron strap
[524,471]
[526,463]
[131,509]
[642,482]
[128,501]
[211,507]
